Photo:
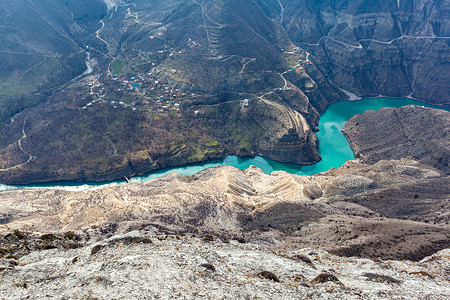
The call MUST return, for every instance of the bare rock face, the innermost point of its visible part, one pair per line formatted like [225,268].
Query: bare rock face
[288,139]
[415,132]
[393,48]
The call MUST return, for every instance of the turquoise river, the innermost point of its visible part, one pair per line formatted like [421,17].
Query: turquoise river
[334,148]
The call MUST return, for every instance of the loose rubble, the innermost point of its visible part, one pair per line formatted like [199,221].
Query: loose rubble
[179,267]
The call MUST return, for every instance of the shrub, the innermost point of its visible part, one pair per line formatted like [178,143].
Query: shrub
[325,277]
[381,278]
[69,235]
[269,275]
[19,234]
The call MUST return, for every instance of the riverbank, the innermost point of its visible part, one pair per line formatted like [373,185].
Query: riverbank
[333,148]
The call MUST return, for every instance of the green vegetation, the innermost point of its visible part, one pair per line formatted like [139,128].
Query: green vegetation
[116,66]
[9,106]
[212,144]
[29,72]
[19,234]
[70,235]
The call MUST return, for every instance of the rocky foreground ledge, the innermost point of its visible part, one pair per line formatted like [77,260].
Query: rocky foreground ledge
[141,266]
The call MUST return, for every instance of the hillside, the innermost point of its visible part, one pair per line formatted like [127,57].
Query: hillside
[403,132]
[41,48]
[392,48]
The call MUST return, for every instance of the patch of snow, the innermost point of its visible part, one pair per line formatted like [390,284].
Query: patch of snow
[351,96]
[112,3]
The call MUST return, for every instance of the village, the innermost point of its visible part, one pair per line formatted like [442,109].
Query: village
[143,86]
[136,92]
[155,90]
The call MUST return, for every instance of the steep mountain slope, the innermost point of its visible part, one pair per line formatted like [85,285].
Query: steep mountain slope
[41,48]
[371,48]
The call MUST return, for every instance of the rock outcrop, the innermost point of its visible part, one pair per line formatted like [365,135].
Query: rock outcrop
[391,133]
[331,210]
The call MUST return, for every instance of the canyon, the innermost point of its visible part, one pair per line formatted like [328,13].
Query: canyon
[250,78]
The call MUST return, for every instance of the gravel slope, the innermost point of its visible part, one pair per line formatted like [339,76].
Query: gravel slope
[171,268]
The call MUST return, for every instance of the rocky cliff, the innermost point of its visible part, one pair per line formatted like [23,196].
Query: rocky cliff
[392,48]
[412,131]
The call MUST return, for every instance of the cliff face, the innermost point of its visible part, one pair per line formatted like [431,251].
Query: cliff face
[289,138]
[392,48]
[411,131]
